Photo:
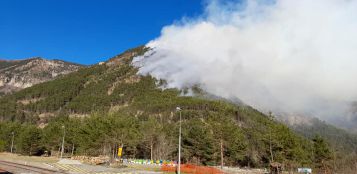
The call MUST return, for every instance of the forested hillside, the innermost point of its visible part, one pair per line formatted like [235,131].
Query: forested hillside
[105,106]
[343,144]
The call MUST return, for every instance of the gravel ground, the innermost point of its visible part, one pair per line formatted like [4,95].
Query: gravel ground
[74,166]
[29,160]
[237,170]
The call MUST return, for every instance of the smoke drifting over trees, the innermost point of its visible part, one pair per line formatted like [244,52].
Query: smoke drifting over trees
[283,55]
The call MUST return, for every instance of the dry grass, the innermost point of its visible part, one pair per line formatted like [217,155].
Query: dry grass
[31,160]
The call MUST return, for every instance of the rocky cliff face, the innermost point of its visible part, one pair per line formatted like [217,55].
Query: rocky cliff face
[18,74]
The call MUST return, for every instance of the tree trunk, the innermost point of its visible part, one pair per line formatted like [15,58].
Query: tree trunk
[113,155]
[58,152]
[270,147]
[72,150]
[222,154]
[151,149]
[30,149]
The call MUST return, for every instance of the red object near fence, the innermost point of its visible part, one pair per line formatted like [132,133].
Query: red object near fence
[192,169]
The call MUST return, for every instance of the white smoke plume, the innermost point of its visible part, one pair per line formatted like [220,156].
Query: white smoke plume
[283,55]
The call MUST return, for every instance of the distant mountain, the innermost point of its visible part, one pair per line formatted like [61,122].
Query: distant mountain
[19,74]
[351,120]
[343,142]
[310,126]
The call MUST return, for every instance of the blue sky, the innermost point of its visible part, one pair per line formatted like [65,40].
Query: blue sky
[84,31]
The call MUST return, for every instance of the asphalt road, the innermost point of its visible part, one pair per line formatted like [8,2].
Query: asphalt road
[12,167]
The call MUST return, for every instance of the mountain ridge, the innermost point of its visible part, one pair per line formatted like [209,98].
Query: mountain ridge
[19,74]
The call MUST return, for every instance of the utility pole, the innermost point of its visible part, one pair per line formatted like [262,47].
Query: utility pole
[179,155]
[64,134]
[12,140]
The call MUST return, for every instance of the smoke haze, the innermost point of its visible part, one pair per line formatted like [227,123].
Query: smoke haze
[284,55]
